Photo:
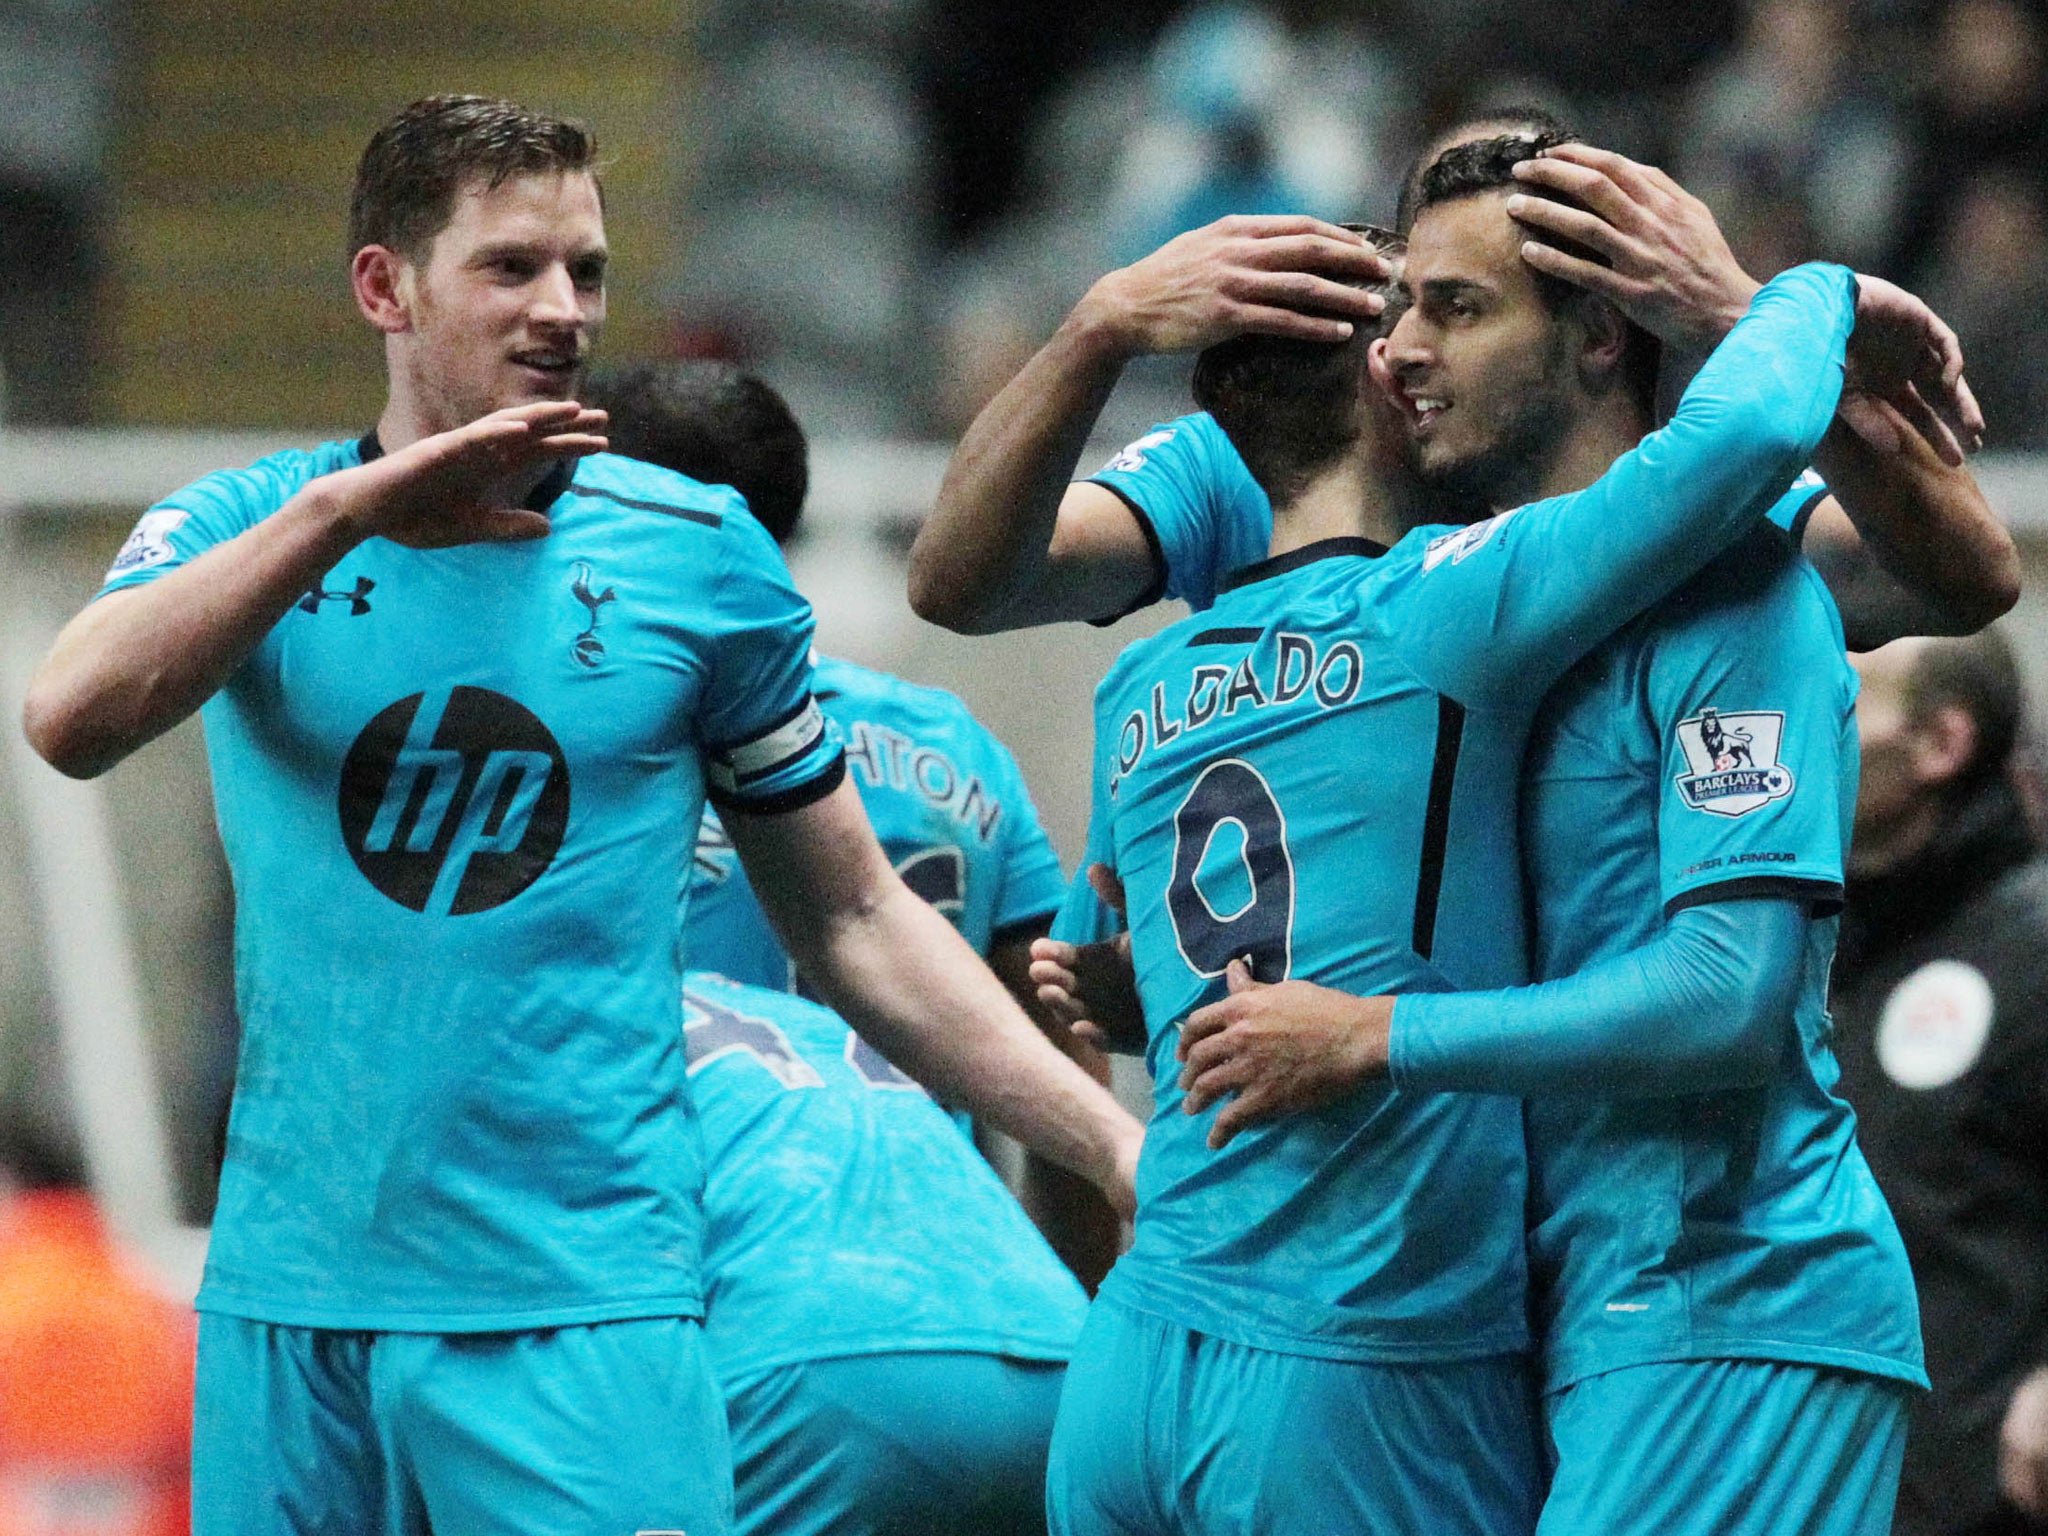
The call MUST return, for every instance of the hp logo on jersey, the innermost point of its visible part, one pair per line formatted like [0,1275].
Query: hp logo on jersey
[454,801]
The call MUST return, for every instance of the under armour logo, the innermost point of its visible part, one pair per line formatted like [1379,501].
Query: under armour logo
[358,599]
[587,648]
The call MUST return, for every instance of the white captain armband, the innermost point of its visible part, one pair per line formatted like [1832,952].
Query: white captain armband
[733,770]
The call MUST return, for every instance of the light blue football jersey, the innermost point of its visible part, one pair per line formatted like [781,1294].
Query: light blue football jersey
[457,789]
[1205,516]
[1707,753]
[1390,1226]
[1201,510]
[845,1215]
[947,801]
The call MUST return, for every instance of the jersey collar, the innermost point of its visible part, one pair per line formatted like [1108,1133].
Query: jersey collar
[542,497]
[1306,554]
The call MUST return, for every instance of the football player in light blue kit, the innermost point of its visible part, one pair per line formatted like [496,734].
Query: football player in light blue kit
[946,798]
[889,1329]
[466,683]
[1325,1306]
[1713,1263]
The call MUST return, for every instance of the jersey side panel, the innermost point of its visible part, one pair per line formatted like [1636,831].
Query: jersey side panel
[1753,1227]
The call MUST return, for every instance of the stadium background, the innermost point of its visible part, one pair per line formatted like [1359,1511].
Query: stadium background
[883,205]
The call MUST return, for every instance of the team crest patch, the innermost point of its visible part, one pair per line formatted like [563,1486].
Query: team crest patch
[1732,761]
[1132,458]
[1455,547]
[150,543]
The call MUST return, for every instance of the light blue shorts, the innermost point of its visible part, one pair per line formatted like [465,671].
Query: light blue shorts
[1164,1431]
[1725,1448]
[913,1444]
[604,1429]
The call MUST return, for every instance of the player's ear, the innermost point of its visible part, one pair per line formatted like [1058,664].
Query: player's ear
[383,284]
[1944,743]
[1605,342]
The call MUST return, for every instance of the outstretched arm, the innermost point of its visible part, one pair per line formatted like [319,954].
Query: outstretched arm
[1011,542]
[1703,1006]
[903,977]
[139,660]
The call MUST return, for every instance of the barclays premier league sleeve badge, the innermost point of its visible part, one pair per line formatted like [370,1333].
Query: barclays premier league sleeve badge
[1732,761]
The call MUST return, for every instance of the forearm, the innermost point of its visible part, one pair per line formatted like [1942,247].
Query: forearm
[906,980]
[138,661]
[983,562]
[1703,1006]
[1934,558]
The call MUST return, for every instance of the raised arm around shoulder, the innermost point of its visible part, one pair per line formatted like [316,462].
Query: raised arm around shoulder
[1906,542]
[1535,589]
[905,979]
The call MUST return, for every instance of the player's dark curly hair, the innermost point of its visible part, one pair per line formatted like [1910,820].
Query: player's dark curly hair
[714,422]
[1518,118]
[1291,408]
[1488,165]
[416,165]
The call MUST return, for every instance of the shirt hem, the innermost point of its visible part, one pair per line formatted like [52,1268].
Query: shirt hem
[1558,1377]
[1133,1294]
[414,1320]
[746,1367]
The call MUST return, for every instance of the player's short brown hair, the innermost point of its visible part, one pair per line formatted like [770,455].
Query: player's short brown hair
[1291,408]
[421,160]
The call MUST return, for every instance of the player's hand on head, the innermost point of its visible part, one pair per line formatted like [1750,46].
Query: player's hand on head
[1669,266]
[1271,274]
[1903,353]
[1278,1049]
[464,486]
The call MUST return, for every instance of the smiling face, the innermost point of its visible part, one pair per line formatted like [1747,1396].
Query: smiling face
[508,300]
[1481,367]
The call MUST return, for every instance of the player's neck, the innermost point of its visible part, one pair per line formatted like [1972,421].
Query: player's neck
[1348,500]
[1595,438]
[406,420]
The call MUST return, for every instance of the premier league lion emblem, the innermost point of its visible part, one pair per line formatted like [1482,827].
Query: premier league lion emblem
[1732,761]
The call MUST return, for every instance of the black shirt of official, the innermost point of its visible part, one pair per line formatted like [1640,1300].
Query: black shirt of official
[1952,1112]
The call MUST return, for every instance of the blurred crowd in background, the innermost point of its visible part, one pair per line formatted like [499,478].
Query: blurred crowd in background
[972,168]
[887,203]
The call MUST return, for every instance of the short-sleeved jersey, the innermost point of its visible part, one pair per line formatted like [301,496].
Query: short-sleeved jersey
[1205,516]
[1201,510]
[1707,753]
[845,1215]
[947,801]
[457,790]
[1390,1225]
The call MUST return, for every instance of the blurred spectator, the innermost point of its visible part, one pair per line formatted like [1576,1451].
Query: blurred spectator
[56,63]
[1985,108]
[95,1368]
[1209,146]
[1789,118]
[1940,1003]
[1990,281]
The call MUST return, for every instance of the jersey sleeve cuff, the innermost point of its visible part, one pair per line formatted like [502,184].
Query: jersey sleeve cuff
[1156,588]
[1823,898]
